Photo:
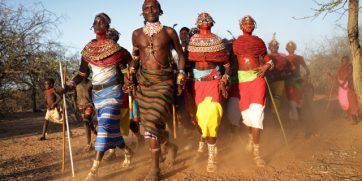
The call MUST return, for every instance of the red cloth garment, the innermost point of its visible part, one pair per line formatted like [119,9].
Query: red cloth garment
[294,94]
[344,78]
[49,91]
[343,72]
[353,108]
[202,89]
[249,46]
[125,103]
[252,92]
[282,68]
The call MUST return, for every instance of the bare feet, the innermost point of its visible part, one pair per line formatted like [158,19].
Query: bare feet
[171,154]
[153,175]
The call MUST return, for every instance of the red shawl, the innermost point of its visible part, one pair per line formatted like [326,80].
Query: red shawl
[49,91]
[249,46]
[343,72]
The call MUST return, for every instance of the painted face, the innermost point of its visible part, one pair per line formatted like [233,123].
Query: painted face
[151,11]
[205,25]
[100,25]
[247,26]
[48,85]
[274,48]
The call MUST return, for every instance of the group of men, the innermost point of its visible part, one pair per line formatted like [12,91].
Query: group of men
[207,72]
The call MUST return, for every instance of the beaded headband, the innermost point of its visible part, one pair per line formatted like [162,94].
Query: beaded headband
[204,16]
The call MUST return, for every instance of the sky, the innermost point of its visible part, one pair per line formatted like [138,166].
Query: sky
[270,15]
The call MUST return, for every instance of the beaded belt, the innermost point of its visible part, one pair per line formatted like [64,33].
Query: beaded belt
[208,78]
[106,85]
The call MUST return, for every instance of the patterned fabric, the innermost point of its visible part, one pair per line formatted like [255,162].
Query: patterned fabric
[108,107]
[202,43]
[102,75]
[104,56]
[154,98]
[207,48]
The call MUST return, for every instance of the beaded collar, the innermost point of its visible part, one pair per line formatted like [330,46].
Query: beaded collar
[151,29]
[202,43]
[98,51]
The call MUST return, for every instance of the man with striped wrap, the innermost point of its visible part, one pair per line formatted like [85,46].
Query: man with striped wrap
[151,53]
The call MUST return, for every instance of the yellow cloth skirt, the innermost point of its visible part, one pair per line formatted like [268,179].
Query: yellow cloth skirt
[208,117]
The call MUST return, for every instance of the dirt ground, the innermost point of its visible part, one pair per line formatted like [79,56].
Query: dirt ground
[327,147]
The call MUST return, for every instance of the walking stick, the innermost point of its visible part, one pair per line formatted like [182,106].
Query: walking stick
[329,98]
[66,118]
[174,121]
[130,105]
[276,112]
[63,125]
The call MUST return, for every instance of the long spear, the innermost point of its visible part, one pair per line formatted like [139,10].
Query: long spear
[276,111]
[231,34]
[63,125]
[66,118]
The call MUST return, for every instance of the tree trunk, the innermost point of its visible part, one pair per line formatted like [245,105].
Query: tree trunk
[33,97]
[353,8]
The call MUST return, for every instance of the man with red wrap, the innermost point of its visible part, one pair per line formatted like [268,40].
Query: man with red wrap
[208,52]
[252,87]
[294,83]
[281,71]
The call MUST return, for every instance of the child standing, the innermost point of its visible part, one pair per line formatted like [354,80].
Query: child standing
[52,100]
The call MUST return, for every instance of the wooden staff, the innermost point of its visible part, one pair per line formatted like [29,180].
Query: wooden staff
[276,111]
[63,125]
[174,120]
[66,118]
[329,97]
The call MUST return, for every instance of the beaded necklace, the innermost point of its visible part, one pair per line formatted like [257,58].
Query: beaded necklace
[151,29]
